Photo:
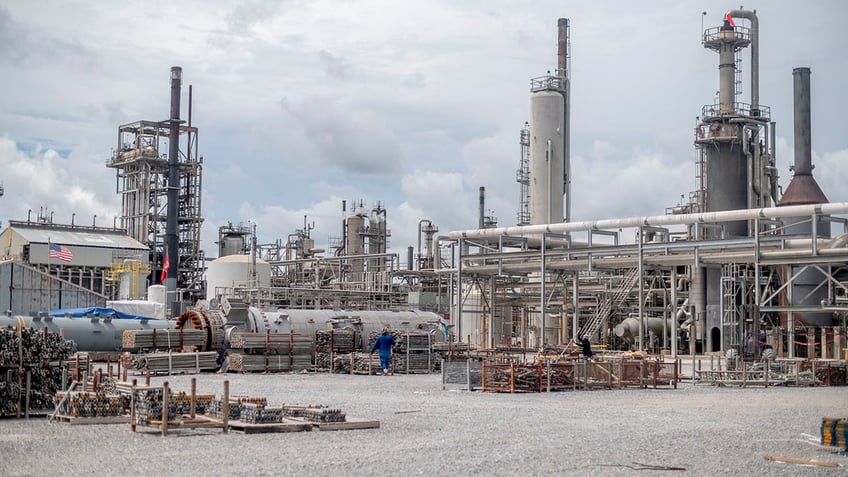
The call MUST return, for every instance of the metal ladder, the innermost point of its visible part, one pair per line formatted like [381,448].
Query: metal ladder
[605,307]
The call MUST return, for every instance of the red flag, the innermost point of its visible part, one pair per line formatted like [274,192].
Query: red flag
[729,19]
[165,264]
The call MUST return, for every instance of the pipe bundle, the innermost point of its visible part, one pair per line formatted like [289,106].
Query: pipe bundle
[148,404]
[272,342]
[340,341]
[163,339]
[35,355]
[318,414]
[216,407]
[89,404]
[176,362]
[271,363]
[252,413]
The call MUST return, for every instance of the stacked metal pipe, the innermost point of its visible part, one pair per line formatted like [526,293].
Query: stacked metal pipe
[322,414]
[163,339]
[89,404]
[252,413]
[253,363]
[341,340]
[176,362]
[148,404]
[216,407]
[34,355]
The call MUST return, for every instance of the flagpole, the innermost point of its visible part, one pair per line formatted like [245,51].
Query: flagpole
[49,277]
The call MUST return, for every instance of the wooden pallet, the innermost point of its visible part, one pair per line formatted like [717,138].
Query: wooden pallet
[72,420]
[349,424]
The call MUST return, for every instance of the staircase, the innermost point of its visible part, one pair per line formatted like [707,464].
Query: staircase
[605,307]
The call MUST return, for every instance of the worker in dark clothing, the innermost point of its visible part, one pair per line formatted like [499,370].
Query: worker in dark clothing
[385,342]
[586,347]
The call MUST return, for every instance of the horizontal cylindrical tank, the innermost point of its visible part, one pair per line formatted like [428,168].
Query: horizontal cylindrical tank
[307,322]
[547,161]
[629,328]
[235,270]
[95,333]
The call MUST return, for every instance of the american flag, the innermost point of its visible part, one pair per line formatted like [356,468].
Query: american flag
[61,252]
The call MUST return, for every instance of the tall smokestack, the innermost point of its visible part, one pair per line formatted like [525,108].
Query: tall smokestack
[481,222]
[562,47]
[803,189]
[803,122]
[171,238]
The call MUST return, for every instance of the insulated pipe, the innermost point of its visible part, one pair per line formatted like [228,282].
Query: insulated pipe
[755,54]
[657,220]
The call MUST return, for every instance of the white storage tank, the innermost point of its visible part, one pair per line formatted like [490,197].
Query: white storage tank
[235,270]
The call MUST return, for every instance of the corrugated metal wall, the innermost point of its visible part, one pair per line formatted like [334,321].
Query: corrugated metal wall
[24,290]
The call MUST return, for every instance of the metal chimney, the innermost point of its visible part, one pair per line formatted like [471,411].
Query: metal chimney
[803,189]
[172,244]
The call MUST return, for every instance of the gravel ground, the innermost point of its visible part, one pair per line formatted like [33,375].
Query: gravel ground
[426,430]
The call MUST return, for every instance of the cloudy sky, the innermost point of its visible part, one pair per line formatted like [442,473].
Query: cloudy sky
[301,104]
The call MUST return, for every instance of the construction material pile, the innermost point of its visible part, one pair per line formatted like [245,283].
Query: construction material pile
[163,339]
[330,344]
[834,432]
[270,363]
[149,404]
[317,414]
[216,407]
[268,352]
[341,340]
[362,363]
[252,413]
[176,362]
[89,404]
[33,356]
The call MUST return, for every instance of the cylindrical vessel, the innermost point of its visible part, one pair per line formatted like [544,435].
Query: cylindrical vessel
[727,183]
[307,322]
[547,166]
[157,294]
[235,270]
[95,333]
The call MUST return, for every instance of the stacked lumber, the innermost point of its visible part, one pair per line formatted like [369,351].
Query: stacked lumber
[33,355]
[834,432]
[163,339]
[176,362]
[89,404]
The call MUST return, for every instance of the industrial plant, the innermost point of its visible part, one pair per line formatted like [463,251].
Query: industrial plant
[741,270]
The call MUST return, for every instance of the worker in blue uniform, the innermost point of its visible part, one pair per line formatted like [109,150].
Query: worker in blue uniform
[385,342]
